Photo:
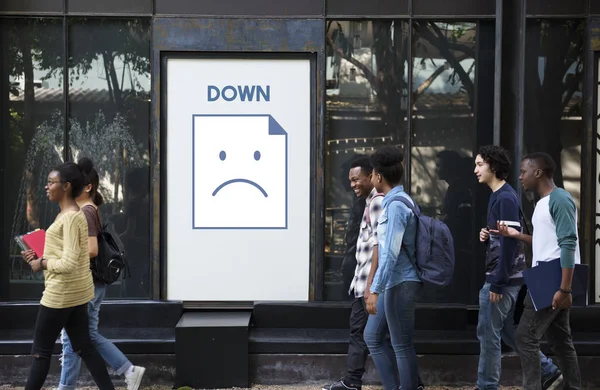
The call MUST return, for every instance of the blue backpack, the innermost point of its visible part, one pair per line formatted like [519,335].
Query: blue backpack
[434,257]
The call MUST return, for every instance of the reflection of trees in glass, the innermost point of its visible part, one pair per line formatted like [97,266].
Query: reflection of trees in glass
[442,85]
[454,42]
[443,92]
[124,40]
[108,143]
[117,52]
[390,48]
[111,146]
[31,44]
[44,152]
[34,45]
[389,81]
[553,76]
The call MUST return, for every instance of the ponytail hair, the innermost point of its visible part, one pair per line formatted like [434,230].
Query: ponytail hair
[91,175]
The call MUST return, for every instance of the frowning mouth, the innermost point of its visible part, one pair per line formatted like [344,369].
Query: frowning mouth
[228,182]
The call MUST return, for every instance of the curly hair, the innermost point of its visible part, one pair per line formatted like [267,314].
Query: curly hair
[498,160]
[364,163]
[544,162]
[387,161]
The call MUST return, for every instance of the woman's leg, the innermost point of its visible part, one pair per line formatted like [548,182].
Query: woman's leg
[77,328]
[380,348]
[109,352]
[400,304]
[48,324]
[71,364]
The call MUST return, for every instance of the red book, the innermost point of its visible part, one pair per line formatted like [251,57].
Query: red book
[36,240]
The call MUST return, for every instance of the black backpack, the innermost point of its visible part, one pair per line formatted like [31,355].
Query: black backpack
[110,263]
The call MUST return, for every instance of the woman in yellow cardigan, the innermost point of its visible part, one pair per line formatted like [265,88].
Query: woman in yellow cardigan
[68,282]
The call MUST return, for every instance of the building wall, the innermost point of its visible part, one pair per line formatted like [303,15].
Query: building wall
[422,79]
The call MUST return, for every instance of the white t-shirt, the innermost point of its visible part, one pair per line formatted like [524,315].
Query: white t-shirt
[555,229]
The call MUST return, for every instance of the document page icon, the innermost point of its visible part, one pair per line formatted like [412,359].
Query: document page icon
[239,172]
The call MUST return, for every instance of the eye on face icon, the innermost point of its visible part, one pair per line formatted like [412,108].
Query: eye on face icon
[223,157]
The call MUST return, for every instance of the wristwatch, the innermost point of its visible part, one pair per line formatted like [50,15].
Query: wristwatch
[565,291]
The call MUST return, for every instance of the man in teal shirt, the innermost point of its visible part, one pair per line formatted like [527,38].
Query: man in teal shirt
[554,236]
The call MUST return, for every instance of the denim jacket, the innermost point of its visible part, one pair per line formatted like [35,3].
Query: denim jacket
[397,232]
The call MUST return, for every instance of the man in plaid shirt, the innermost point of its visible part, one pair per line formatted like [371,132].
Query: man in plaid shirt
[366,258]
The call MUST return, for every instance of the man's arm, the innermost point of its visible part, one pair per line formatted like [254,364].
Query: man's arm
[374,213]
[563,211]
[506,209]
[374,265]
[507,231]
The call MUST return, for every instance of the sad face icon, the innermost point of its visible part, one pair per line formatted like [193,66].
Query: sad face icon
[223,157]
[240,172]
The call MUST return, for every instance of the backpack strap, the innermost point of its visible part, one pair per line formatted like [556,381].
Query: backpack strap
[415,209]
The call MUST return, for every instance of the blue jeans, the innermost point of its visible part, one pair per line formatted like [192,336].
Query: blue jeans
[71,362]
[396,313]
[496,323]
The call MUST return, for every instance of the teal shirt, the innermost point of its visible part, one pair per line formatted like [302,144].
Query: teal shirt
[555,229]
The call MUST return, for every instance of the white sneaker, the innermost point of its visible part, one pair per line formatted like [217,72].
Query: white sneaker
[134,379]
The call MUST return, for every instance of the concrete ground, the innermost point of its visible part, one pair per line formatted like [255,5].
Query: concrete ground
[286,387]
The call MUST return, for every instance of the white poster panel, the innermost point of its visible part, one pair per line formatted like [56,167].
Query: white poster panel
[238,176]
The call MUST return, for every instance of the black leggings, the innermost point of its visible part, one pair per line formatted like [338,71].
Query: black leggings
[47,329]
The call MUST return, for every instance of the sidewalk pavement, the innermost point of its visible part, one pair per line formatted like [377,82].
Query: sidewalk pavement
[259,387]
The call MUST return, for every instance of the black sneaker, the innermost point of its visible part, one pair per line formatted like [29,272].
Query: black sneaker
[554,382]
[342,385]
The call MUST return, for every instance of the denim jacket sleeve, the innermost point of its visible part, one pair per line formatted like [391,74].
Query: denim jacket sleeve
[395,219]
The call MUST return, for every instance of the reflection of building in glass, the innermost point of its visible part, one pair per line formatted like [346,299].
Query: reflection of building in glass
[108,118]
[367,102]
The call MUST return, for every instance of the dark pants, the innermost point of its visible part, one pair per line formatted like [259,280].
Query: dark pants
[555,325]
[357,350]
[348,270]
[47,328]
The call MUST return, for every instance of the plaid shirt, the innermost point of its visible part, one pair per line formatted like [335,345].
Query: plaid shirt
[367,239]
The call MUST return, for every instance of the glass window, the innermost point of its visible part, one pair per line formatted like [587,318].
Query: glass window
[109,98]
[31,106]
[553,98]
[443,141]
[367,95]
[109,121]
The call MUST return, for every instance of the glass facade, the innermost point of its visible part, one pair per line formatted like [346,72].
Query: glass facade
[109,116]
[367,98]
[107,119]
[443,141]
[369,64]
[30,142]
[426,86]
[554,69]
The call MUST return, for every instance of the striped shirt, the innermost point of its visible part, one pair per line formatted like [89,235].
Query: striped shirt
[68,279]
[365,245]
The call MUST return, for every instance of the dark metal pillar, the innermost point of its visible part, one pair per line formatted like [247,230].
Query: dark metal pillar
[590,153]
[4,143]
[509,114]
